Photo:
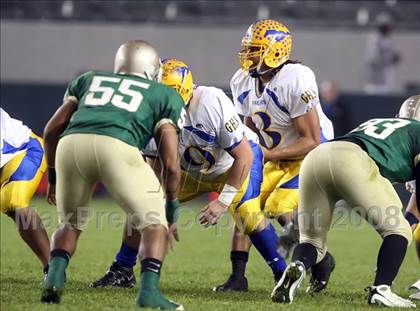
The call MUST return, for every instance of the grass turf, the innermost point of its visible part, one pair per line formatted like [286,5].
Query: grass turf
[199,262]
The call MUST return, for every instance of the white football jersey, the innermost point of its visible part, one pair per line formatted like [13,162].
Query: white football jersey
[292,92]
[211,129]
[14,137]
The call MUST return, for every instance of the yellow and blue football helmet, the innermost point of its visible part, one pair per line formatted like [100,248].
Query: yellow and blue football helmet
[175,73]
[265,42]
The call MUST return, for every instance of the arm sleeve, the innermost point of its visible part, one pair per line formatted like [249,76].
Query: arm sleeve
[229,128]
[172,110]
[303,94]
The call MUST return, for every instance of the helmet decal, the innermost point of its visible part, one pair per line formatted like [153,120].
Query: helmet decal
[277,35]
[183,72]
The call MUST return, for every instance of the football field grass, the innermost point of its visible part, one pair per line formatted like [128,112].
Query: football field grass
[199,262]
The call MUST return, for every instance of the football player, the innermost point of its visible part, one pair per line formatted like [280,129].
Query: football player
[279,100]
[360,168]
[411,109]
[218,153]
[22,167]
[95,136]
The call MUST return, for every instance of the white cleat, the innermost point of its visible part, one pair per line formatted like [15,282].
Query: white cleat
[382,295]
[416,287]
[179,307]
[287,286]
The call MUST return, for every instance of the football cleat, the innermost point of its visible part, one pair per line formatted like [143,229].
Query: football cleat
[116,276]
[45,272]
[382,295]
[234,283]
[321,273]
[292,278]
[51,294]
[155,300]
[415,286]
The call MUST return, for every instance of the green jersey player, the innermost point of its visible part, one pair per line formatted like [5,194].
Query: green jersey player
[96,136]
[360,168]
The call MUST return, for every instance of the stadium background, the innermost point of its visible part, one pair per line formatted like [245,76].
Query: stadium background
[44,44]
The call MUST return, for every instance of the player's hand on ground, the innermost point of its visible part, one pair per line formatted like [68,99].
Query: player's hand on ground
[211,214]
[172,235]
[51,194]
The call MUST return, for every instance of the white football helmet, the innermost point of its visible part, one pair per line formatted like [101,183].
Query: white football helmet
[139,58]
[410,108]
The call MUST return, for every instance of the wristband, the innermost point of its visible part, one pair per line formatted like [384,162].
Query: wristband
[51,175]
[172,210]
[227,195]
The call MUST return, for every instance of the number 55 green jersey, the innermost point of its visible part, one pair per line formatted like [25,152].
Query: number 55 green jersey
[394,144]
[126,107]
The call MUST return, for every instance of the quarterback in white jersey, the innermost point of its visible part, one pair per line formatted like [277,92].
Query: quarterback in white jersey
[278,99]
[291,93]
[22,167]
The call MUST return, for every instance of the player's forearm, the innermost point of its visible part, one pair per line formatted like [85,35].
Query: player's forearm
[51,138]
[171,179]
[239,171]
[55,126]
[298,150]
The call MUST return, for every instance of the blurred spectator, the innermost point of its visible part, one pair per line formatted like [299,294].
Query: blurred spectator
[334,108]
[381,58]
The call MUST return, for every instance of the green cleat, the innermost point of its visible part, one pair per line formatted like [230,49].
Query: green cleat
[51,294]
[154,299]
[150,295]
[53,287]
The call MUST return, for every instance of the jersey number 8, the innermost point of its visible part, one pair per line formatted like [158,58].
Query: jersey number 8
[274,136]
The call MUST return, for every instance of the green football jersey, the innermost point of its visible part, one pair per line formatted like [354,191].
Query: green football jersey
[394,144]
[125,107]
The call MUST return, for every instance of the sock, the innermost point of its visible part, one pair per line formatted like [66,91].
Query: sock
[390,257]
[152,265]
[412,220]
[265,242]
[239,260]
[127,256]
[305,253]
[59,259]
